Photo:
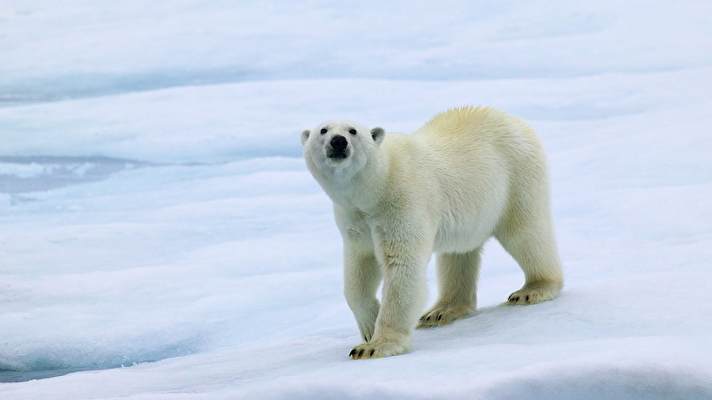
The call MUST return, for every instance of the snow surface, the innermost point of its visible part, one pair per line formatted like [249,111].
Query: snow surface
[160,237]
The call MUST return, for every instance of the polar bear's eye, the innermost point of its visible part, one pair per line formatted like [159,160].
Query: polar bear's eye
[352,131]
[323,130]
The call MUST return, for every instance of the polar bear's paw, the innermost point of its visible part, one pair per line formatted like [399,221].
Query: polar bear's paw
[377,349]
[535,292]
[443,314]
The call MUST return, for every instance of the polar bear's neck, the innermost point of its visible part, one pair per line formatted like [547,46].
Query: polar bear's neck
[362,191]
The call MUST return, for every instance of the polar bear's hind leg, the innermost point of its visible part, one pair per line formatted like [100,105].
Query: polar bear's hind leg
[457,281]
[533,246]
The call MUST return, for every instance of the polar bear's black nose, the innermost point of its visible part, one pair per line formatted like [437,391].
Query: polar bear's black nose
[339,143]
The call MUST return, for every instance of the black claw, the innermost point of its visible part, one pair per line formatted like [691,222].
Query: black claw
[428,319]
[440,317]
[372,351]
[360,353]
[353,351]
[527,297]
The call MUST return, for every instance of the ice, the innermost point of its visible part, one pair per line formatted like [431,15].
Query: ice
[161,238]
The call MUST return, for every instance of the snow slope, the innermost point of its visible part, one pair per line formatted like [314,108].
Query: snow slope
[160,237]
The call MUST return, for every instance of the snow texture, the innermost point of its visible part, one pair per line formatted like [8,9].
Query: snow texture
[160,237]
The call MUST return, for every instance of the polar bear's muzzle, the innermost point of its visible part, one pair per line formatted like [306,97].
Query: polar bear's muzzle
[338,148]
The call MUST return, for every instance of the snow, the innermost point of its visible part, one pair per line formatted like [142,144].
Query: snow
[160,237]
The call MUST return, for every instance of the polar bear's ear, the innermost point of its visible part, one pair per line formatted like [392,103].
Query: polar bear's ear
[377,134]
[305,136]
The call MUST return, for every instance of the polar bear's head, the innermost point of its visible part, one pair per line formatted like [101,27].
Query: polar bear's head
[340,150]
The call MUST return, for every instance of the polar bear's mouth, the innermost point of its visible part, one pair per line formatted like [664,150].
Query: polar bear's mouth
[337,154]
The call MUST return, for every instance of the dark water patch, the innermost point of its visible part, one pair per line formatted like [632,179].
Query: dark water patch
[7,376]
[21,174]
[43,367]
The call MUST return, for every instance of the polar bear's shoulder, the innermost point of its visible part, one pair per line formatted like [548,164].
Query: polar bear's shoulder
[462,119]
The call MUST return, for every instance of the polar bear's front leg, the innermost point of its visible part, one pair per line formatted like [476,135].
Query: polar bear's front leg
[361,278]
[404,292]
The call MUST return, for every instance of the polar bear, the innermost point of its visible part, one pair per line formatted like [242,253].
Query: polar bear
[468,174]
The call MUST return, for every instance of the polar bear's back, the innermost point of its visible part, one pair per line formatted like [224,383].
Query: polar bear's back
[469,122]
[460,120]
[471,131]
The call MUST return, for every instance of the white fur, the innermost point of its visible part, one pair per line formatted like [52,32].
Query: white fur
[467,175]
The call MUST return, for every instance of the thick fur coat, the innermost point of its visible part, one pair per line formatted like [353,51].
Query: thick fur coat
[468,174]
